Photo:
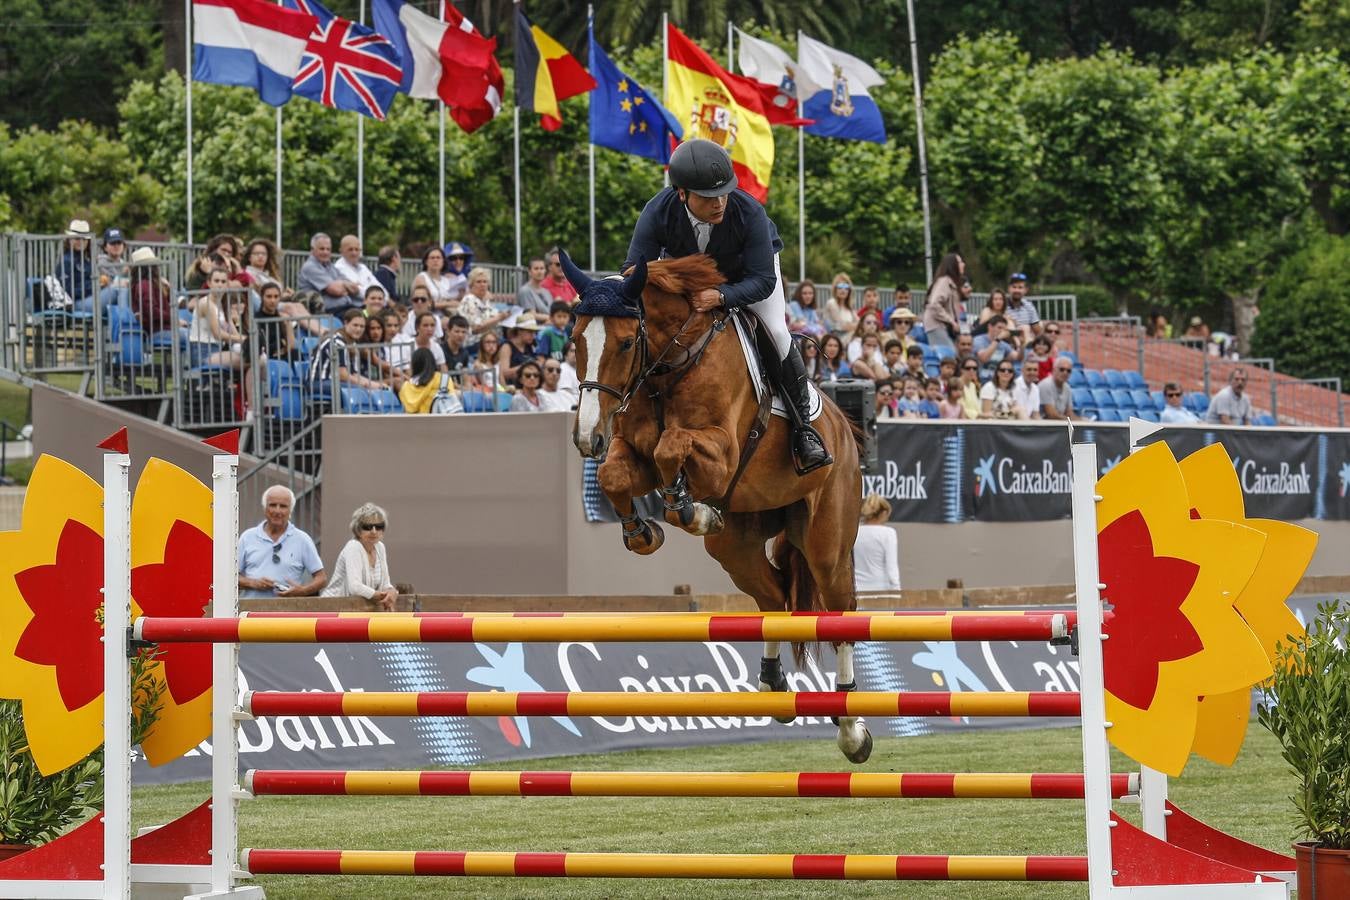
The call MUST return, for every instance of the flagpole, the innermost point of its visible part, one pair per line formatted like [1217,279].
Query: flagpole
[731,48]
[665,75]
[361,162]
[801,202]
[440,155]
[187,78]
[923,154]
[278,189]
[516,154]
[590,144]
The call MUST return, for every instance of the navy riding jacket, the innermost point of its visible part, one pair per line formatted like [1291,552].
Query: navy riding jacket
[743,244]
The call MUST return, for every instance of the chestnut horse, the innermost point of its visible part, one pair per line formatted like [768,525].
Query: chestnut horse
[667,402]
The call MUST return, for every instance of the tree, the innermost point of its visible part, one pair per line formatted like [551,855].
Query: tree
[77,65]
[1230,185]
[1305,318]
[982,156]
[1315,117]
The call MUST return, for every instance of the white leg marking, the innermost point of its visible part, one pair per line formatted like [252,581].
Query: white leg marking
[771,649]
[844,664]
[588,411]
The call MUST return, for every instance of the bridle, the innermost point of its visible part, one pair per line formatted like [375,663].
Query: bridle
[659,366]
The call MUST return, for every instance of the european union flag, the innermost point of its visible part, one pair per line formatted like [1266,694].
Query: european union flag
[624,116]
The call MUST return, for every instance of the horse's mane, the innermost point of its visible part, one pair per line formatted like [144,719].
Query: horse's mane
[684,275]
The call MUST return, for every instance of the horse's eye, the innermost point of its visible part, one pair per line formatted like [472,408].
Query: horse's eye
[625,345]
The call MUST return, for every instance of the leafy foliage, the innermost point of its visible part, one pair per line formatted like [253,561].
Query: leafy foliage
[1305,315]
[1307,708]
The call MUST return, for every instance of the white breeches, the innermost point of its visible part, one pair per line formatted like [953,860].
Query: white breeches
[772,313]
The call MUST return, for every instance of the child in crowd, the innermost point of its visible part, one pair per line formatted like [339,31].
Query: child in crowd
[1042,352]
[554,336]
[951,407]
[895,357]
[910,405]
[932,399]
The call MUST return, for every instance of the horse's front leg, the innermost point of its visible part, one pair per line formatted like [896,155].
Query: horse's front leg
[854,740]
[623,477]
[693,463]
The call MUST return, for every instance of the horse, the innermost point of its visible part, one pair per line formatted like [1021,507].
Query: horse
[666,401]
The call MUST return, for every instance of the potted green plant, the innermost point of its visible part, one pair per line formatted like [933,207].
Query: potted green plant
[35,808]
[1307,708]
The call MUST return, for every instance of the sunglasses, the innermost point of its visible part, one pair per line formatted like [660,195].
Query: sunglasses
[1052,331]
[843,285]
[551,369]
[276,553]
[971,368]
[372,526]
[1002,369]
[530,375]
[1174,393]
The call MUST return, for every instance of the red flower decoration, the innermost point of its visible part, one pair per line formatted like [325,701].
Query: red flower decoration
[180,587]
[65,631]
[1146,592]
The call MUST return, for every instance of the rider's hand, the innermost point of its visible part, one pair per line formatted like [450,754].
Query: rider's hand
[706,300]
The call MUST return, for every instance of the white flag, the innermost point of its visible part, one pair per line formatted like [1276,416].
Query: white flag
[832,86]
[769,64]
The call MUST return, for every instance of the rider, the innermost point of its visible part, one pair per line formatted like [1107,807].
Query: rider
[703,212]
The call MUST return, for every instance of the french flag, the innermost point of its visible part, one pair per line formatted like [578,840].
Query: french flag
[444,60]
[250,43]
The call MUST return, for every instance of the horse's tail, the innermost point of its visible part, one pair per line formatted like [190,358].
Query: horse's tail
[803,595]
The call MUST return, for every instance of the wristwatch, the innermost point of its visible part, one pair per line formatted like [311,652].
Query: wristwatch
[722,299]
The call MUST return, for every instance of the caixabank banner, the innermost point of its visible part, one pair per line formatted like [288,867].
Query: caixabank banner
[358,742]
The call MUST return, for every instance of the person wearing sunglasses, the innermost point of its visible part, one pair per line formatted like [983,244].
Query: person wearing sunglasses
[996,397]
[1173,413]
[362,568]
[277,559]
[968,369]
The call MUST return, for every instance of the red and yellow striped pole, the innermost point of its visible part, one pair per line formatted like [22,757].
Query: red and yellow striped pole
[667,865]
[973,785]
[625,703]
[368,627]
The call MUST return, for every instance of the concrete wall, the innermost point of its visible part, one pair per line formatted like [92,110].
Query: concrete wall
[491,504]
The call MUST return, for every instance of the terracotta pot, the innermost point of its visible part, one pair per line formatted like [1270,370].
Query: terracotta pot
[8,850]
[1329,880]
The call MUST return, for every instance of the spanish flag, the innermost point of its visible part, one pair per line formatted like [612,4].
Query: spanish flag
[545,73]
[714,104]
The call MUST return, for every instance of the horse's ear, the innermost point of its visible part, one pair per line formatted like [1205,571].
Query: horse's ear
[636,281]
[579,279]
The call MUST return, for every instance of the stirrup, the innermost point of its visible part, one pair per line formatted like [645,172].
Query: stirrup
[804,468]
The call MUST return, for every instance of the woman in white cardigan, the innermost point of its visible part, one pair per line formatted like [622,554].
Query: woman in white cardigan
[362,568]
[876,552]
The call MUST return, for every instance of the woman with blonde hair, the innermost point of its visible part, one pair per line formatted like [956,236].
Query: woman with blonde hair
[839,315]
[362,568]
[476,304]
[876,552]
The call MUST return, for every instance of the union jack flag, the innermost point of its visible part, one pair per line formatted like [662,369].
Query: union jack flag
[347,65]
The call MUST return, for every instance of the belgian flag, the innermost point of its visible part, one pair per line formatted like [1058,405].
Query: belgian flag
[545,73]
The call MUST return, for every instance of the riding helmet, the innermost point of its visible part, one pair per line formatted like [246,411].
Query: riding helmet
[702,167]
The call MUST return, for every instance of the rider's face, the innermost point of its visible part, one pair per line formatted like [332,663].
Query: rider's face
[706,209]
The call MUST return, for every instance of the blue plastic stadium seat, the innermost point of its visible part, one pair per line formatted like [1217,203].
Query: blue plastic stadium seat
[1135,380]
[1077,379]
[918,332]
[503,402]
[1147,415]
[1095,379]
[1197,402]
[307,345]
[130,348]
[474,401]
[279,372]
[931,370]
[1265,420]
[1159,401]
[1065,354]
[356,400]
[1142,398]
[944,352]
[1114,378]
[386,401]
[930,354]
[1082,398]
[1124,399]
[1108,415]
[1102,398]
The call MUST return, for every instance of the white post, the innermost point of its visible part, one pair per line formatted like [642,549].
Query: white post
[516,154]
[1092,687]
[116,676]
[440,233]
[923,152]
[224,664]
[590,166]
[187,78]
[731,47]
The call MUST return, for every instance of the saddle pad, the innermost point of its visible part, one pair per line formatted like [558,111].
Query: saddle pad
[745,330]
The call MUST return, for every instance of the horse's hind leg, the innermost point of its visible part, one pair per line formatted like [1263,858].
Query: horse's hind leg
[622,477]
[740,550]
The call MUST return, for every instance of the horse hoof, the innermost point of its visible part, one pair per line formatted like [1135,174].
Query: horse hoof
[765,687]
[863,749]
[649,541]
[710,519]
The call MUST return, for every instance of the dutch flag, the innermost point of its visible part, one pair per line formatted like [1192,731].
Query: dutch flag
[250,43]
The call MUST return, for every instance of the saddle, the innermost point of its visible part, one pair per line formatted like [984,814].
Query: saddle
[755,345]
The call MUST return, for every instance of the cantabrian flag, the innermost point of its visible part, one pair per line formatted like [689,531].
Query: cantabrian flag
[711,103]
[545,73]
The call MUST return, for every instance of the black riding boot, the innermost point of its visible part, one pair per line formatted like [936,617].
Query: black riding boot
[808,450]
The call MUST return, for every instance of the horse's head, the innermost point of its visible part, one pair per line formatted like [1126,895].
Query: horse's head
[609,343]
